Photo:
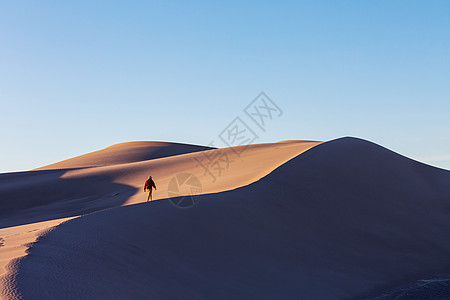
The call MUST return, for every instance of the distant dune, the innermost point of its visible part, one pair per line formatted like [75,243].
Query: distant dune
[293,220]
[126,153]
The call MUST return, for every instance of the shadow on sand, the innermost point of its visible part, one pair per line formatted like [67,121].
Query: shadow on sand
[35,196]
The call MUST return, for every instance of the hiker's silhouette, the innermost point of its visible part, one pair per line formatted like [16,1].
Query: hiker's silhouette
[149,184]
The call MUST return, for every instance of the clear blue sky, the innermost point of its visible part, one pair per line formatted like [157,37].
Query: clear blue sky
[77,76]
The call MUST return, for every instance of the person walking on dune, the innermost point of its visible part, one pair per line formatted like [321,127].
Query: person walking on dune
[149,184]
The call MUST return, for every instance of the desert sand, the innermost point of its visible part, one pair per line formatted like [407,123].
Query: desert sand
[291,220]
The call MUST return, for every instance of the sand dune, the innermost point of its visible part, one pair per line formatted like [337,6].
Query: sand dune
[345,219]
[35,201]
[125,153]
[42,195]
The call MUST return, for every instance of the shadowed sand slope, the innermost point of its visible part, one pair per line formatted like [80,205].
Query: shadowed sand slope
[345,219]
[126,153]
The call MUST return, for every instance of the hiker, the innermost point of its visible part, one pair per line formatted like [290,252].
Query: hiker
[149,184]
